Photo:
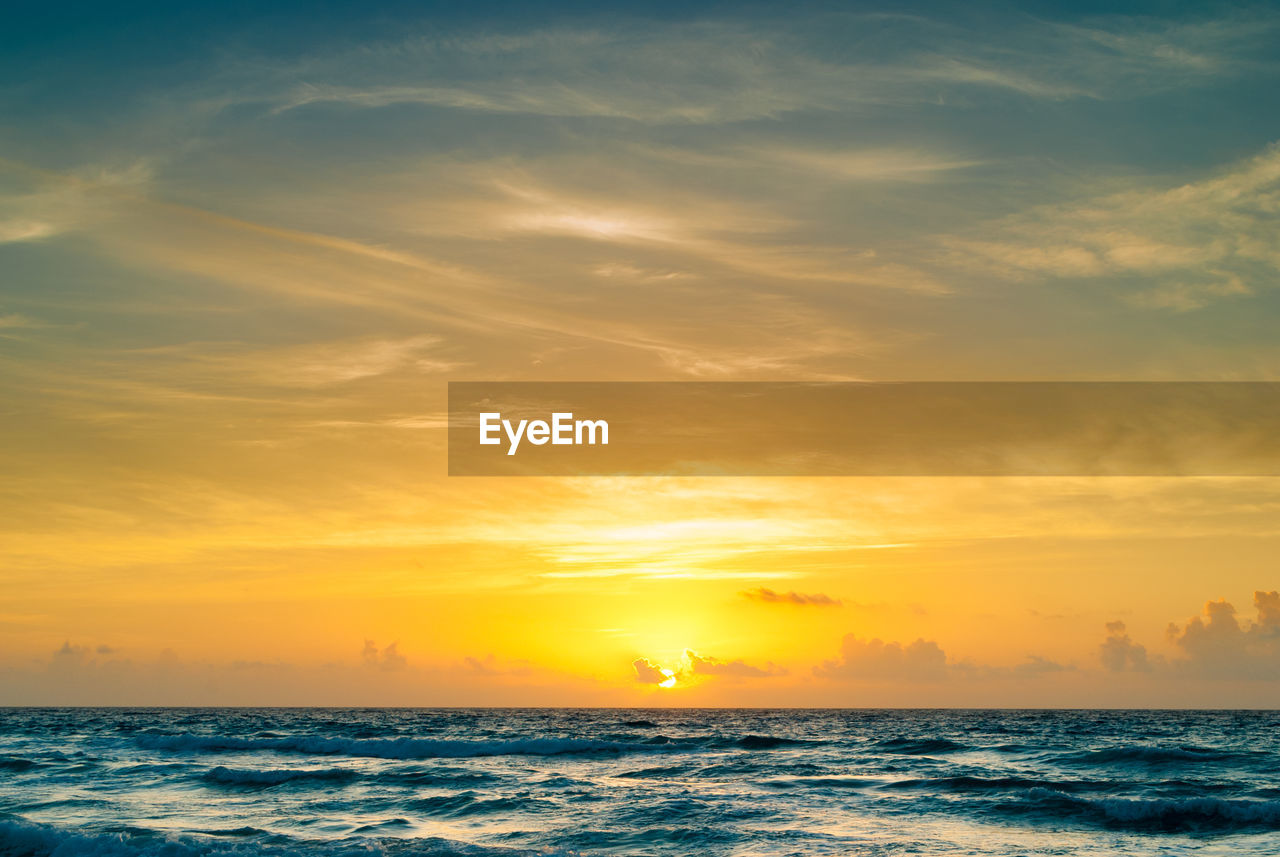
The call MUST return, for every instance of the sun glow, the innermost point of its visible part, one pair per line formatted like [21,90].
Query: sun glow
[670,680]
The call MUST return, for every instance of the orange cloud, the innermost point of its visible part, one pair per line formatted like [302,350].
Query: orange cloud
[1119,653]
[1216,645]
[648,672]
[923,660]
[708,666]
[768,596]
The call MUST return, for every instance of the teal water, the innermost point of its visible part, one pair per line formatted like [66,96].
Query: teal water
[178,782]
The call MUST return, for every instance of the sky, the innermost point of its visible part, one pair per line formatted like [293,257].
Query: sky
[244,247]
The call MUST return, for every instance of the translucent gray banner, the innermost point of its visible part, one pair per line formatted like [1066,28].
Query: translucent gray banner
[864,429]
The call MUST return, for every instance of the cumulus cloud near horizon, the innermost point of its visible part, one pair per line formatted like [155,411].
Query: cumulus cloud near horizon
[388,658]
[694,668]
[1216,644]
[647,672]
[1119,653]
[1213,645]
[738,668]
[491,665]
[922,660]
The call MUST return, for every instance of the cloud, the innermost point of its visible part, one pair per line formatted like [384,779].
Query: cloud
[1035,665]
[68,652]
[708,666]
[769,596]
[695,668]
[388,659]
[1119,653]
[18,321]
[75,674]
[1213,645]
[684,227]
[330,363]
[1177,248]
[70,656]
[489,665]
[703,73]
[723,71]
[35,205]
[923,660]
[1216,645]
[14,230]
[392,659]
[1268,606]
[272,264]
[648,672]
[865,165]
[260,665]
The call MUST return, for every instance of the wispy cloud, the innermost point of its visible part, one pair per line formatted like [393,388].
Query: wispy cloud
[768,596]
[1176,248]
[491,665]
[16,320]
[36,204]
[730,71]
[325,364]
[888,165]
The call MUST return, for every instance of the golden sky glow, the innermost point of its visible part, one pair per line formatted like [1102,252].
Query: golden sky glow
[232,297]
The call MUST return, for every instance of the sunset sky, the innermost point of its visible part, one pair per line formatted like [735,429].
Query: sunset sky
[242,253]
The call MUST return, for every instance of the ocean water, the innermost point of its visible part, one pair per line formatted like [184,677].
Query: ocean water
[179,782]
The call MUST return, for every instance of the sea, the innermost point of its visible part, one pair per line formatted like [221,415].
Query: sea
[78,782]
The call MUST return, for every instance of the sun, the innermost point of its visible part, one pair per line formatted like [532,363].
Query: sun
[670,680]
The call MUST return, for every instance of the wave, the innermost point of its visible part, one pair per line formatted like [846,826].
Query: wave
[223,831]
[995,784]
[660,772]
[151,769]
[22,838]
[821,783]
[470,803]
[273,777]
[389,824]
[1163,815]
[1150,755]
[918,746]
[61,803]
[17,764]
[438,776]
[767,742]
[390,748]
